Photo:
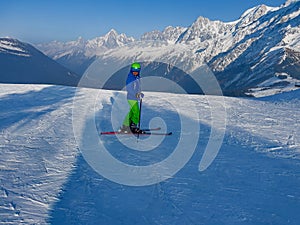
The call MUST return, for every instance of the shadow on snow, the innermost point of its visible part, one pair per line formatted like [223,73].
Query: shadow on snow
[23,107]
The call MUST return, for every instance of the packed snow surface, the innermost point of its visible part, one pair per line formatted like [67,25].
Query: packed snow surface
[44,177]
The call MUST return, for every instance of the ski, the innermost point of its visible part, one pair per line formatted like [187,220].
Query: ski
[140,134]
[151,129]
[143,132]
[119,132]
[155,133]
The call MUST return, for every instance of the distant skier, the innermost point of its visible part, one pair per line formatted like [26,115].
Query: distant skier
[134,94]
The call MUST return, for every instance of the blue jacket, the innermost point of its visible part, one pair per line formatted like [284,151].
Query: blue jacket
[133,86]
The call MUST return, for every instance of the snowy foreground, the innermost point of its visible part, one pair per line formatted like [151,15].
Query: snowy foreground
[46,178]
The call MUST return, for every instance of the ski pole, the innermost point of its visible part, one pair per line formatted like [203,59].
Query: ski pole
[140,118]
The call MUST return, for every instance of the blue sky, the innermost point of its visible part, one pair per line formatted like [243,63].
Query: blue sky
[38,21]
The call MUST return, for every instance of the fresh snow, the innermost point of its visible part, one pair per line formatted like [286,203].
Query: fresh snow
[44,177]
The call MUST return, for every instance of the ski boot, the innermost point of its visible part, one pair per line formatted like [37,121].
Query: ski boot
[125,129]
[134,129]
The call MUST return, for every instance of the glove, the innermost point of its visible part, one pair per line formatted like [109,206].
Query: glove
[139,95]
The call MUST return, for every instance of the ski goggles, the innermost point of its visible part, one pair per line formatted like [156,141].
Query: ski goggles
[135,70]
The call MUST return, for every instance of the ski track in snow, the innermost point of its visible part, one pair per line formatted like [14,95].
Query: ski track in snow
[44,179]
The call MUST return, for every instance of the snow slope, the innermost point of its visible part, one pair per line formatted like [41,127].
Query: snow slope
[44,178]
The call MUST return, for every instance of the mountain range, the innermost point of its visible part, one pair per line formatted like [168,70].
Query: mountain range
[257,54]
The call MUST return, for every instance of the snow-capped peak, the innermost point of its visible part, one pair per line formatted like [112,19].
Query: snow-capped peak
[201,21]
[169,34]
[288,2]
[110,40]
[80,40]
[202,30]
[14,47]
[253,14]
[111,34]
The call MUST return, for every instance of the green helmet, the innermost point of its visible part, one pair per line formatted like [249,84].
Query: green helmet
[135,67]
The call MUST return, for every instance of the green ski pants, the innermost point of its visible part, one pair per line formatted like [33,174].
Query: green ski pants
[133,114]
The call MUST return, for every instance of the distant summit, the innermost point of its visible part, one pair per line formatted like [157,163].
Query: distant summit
[22,63]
